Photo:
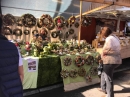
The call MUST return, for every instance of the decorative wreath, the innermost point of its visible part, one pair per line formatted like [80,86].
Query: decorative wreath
[76,24]
[19,22]
[54,34]
[73,73]
[71,20]
[64,73]
[59,21]
[9,20]
[86,21]
[67,34]
[46,21]
[17,32]
[89,60]
[94,71]
[71,31]
[67,61]
[7,31]
[26,32]
[82,72]
[97,58]
[79,61]
[28,20]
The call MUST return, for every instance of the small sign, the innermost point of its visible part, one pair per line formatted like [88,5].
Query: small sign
[32,66]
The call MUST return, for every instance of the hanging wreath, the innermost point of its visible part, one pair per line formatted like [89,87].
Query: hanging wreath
[82,72]
[67,61]
[7,31]
[97,58]
[86,21]
[79,61]
[76,24]
[94,71]
[71,20]
[73,73]
[59,21]
[71,31]
[17,32]
[54,34]
[9,20]
[89,60]
[64,73]
[19,22]
[26,32]
[46,21]
[28,20]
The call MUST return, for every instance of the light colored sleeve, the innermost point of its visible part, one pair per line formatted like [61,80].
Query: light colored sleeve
[20,59]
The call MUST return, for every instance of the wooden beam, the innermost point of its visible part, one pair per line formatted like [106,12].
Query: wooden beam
[118,2]
[79,34]
[96,9]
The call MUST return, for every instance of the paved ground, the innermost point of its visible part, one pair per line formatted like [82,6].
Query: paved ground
[121,89]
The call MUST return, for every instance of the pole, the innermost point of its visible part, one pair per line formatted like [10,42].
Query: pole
[79,34]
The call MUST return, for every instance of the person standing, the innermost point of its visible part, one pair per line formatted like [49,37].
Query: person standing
[111,58]
[11,68]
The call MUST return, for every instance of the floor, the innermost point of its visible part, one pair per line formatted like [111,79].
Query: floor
[121,89]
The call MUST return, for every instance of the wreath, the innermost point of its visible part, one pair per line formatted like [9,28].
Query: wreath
[71,20]
[59,21]
[46,21]
[28,20]
[79,61]
[26,32]
[71,31]
[67,61]
[9,20]
[86,21]
[19,22]
[94,71]
[7,31]
[64,73]
[97,58]
[17,32]
[54,34]
[89,60]
[73,73]
[82,72]
[76,24]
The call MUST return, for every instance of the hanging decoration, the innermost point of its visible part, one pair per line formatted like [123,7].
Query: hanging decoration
[76,24]
[7,31]
[97,58]
[59,22]
[94,71]
[17,32]
[71,31]
[73,73]
[28,20]
[54,34]
[67,61]
[64,73]
[79,61]
[9,20]
[46,21]
[71,20]
[26,32]
[86,21]
[82,72]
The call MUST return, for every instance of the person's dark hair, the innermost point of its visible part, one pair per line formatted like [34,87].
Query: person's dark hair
[108,32]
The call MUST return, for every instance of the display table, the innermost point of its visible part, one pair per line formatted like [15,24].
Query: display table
[125,51]
[48,72]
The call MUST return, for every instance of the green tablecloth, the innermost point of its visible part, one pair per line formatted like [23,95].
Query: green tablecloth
[69,80]
[30,78]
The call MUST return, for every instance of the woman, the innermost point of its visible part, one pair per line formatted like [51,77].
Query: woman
[111,59]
